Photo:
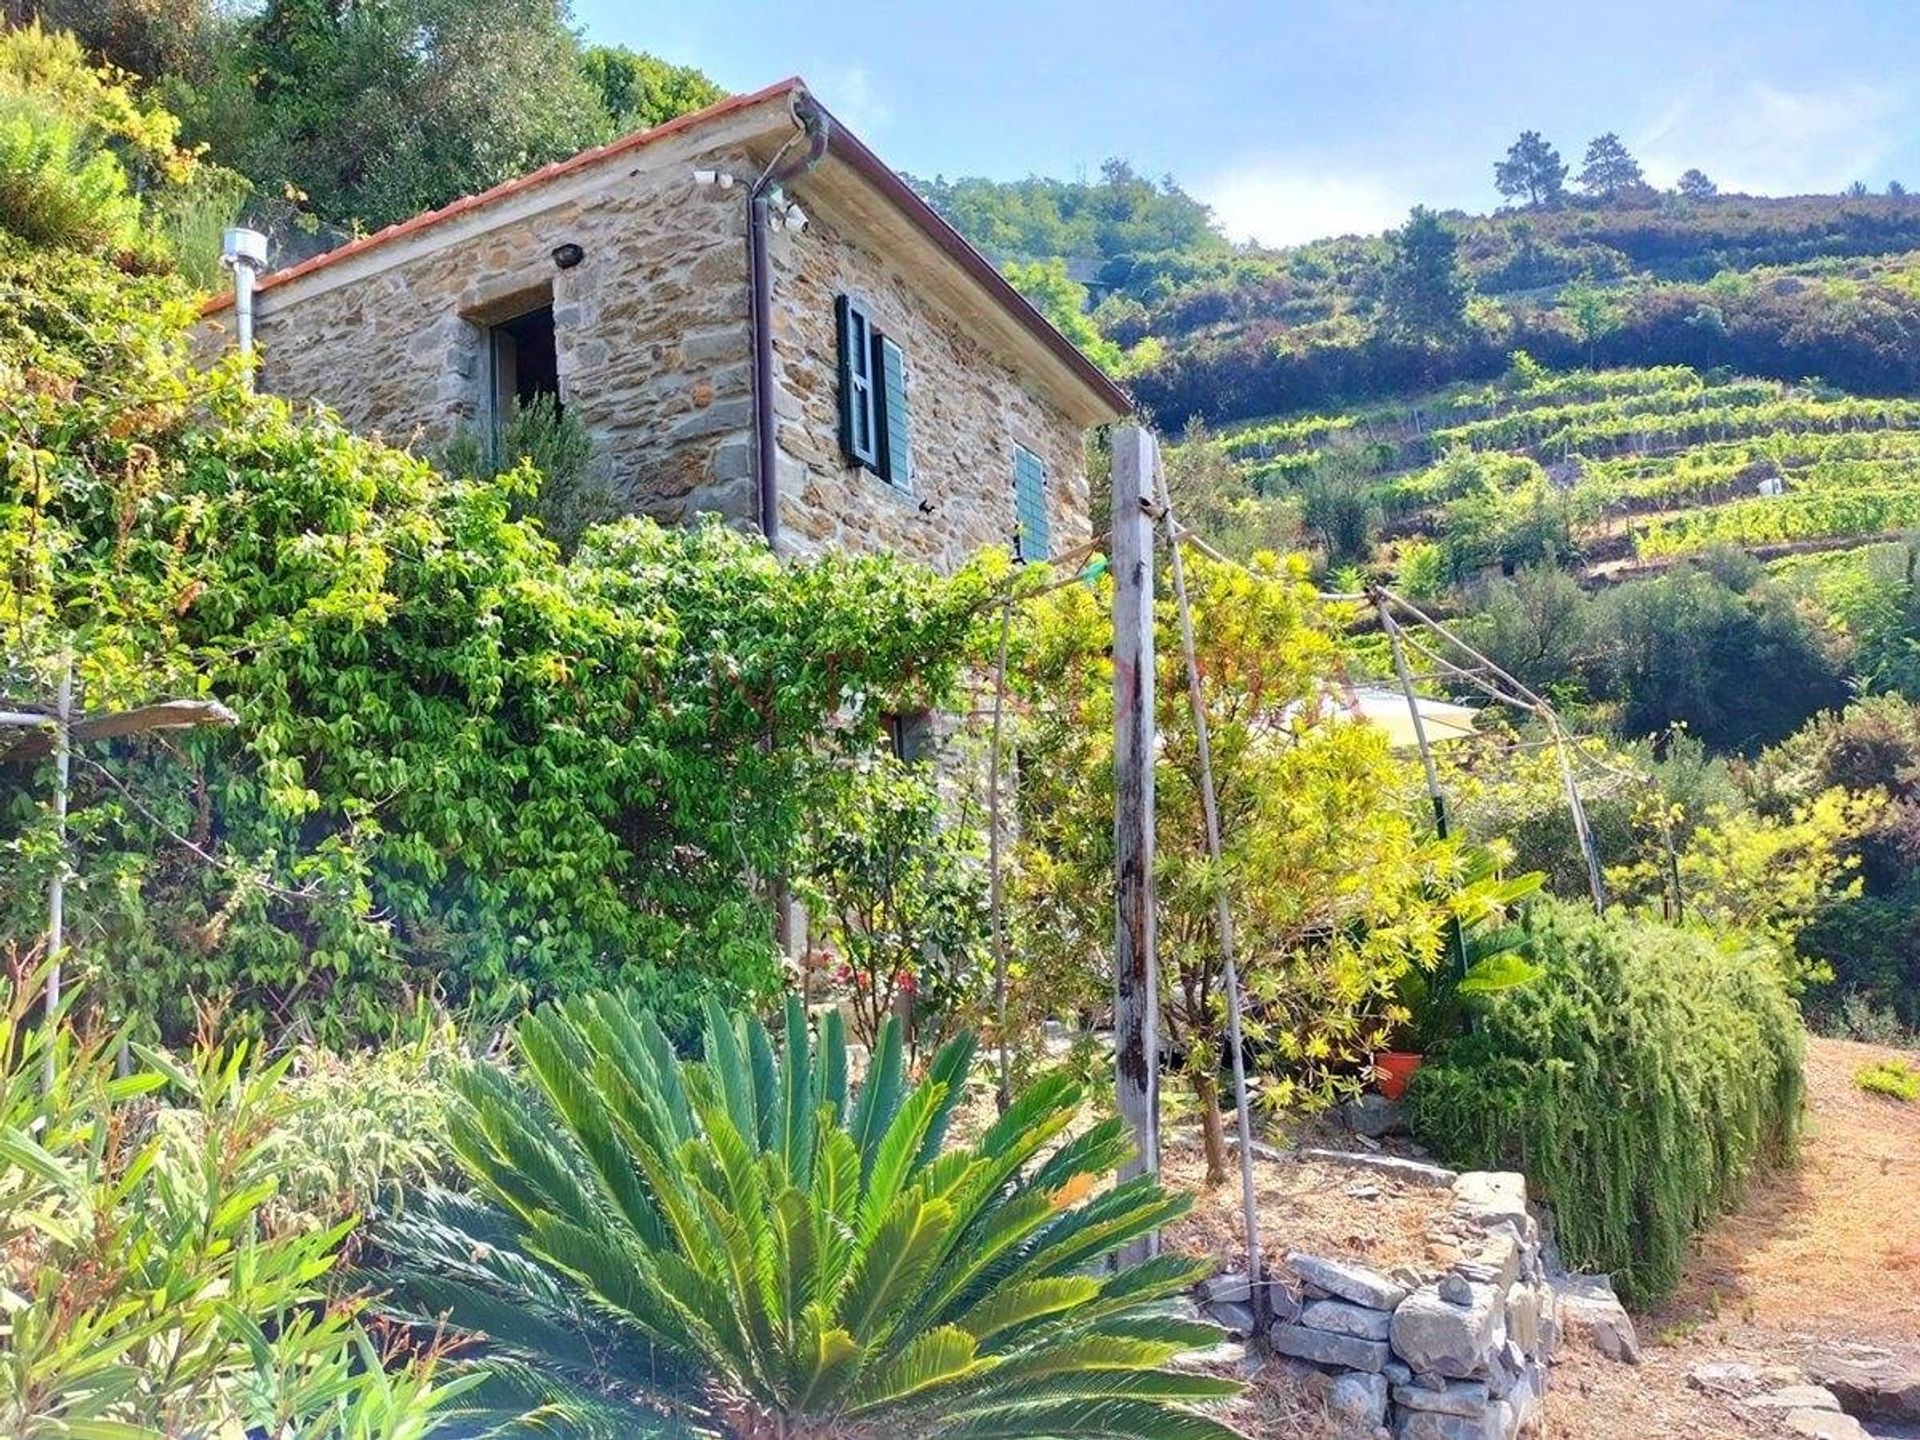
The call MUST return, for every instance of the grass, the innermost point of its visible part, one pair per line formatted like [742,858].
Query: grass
[1897,1078]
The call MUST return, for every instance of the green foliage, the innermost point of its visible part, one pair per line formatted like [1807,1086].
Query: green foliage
[55,188]
[464,763]
[1340,505]
[150,1290]
[76,147]
[898,889]
[1424,291]
[1898,1079]
[1678,650]
[665,1247]
[1420,572]
[1533,171]
[1149,238]
[639,91]
[1865,933]
[1637,1084]
[562,492]
[1337,891]
[1695,185]
[1608,169]
[371,113]
[364,1129]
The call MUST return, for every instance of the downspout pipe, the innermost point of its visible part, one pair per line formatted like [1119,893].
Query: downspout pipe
[817,128]
[243,251]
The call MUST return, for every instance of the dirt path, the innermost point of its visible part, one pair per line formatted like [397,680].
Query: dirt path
[1826,1252]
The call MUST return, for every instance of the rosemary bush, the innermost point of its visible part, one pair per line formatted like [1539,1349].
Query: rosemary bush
[1636,1085]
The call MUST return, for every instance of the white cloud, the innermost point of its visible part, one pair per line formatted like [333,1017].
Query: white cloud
[1279,202]
[849,92]
[1762,138]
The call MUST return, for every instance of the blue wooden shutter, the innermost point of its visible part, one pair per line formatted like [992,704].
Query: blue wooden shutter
[858,433]
[896,425]
[1033,538]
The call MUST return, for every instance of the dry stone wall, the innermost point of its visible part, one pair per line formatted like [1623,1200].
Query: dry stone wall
[1411,1353]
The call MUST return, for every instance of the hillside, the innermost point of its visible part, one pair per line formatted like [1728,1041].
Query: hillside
[1780,287]
[1603,470]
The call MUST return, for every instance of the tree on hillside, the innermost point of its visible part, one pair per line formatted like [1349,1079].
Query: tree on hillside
[1595,313]
[150,38]
[1695,185]
[1063,300]
[1896,189]
[1858,190]
[1608,169]
[1425,290]
[376,112]
[1533,170]
[639,91]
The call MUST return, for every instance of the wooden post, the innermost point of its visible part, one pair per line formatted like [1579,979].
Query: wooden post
[1136,971]
[57,887]
[1003,1094]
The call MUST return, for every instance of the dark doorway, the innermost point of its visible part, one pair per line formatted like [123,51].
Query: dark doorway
[526,364]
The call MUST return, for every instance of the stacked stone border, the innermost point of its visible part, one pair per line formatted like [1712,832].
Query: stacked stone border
[1417,1355]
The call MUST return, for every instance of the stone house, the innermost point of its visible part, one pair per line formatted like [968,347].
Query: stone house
[750,314]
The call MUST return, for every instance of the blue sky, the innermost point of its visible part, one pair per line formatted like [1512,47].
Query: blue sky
[1296,120]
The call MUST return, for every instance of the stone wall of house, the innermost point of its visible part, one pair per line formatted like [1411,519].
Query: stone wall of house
[652,339]
[650,333]
[968,410]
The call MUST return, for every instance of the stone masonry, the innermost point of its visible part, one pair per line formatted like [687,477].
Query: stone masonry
[652,339]
[1415,1354]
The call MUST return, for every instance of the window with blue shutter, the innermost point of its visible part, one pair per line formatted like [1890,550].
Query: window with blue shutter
[896,425]
[1032,536]
[859,428]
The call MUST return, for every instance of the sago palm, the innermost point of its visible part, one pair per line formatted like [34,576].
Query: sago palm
[744,1246]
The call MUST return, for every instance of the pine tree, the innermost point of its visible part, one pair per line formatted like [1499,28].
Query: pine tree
[1608,169]
[1532,169]
[1695,185]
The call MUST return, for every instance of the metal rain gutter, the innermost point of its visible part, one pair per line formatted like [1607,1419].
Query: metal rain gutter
[815,124]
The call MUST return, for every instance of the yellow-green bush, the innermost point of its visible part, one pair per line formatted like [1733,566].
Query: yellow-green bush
[1636,1084]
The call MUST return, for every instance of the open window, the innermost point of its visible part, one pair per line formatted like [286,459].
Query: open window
[526,363]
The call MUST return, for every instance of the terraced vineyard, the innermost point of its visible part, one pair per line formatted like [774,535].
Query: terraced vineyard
[1607,470]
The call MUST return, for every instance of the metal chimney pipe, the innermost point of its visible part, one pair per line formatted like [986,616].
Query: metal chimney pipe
[245,252]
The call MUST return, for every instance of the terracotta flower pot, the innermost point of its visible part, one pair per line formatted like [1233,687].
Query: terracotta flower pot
[1392,1069]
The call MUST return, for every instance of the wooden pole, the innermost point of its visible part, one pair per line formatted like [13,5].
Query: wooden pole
[1136,974]
[1596,881]
[57,887]
[1223,913]
[1436,797]
[1003,1096]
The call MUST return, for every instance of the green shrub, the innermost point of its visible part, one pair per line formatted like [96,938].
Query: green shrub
[466,764]
[1636,1084]
[364,1128]
[564,495]
[1897,1078]
[898,889]
[149,1292]
[55,188]
[743,1244]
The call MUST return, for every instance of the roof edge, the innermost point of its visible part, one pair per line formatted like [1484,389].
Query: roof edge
[480,199]
[843,145]
[847,146]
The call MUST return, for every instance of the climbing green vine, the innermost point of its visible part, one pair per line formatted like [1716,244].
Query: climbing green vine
[464,763]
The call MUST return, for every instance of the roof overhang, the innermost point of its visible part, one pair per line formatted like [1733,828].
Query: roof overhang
[852,186]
